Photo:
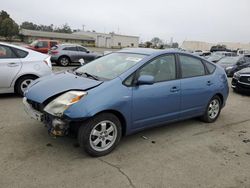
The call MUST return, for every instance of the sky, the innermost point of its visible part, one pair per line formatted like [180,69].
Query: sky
[200,20]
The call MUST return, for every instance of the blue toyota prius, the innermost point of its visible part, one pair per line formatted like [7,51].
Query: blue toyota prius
[124,92]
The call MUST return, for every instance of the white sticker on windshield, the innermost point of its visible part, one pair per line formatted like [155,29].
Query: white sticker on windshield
[135,59]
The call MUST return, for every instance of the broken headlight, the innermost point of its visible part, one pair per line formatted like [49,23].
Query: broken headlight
[63,102]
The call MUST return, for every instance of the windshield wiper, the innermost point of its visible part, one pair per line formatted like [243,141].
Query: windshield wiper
[87,74]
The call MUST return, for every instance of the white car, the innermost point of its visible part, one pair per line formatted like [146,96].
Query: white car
[20,66]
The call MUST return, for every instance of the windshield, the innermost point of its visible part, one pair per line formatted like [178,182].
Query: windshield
[229,60]
[34,43]
[111,65]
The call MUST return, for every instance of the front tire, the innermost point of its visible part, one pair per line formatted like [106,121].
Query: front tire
[100,135]
[213,110]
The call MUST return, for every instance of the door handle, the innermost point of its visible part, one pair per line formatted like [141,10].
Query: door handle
[174,89]
[13,64]
[209,83]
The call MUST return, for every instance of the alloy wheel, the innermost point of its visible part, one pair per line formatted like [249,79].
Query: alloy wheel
[103,135]
[214,108]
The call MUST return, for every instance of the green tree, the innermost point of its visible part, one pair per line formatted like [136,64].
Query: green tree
[8,27]
[156,41]
[63,29]
[3,15]
[28,25]
[175,45]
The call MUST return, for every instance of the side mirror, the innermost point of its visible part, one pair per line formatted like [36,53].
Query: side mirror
[87,51]
[36,46]
[145,80]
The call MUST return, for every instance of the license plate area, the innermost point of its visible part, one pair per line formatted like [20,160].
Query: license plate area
[31,112]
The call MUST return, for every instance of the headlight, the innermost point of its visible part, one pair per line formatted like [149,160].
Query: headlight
[64,101]
[228,68]
[236,76]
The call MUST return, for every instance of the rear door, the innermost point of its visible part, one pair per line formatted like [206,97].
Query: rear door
[73,53]
[196,86]
[10,65]
[159,102]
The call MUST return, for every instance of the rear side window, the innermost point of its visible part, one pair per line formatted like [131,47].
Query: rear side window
[20,53]
[82,49]
[191,67]
[70,48]
[210,67]
[6,52]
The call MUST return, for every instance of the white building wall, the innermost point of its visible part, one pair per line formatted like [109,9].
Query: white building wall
[124,41]
[112,40]
[198,45]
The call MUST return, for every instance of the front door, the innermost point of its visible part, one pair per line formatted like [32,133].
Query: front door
[159,102]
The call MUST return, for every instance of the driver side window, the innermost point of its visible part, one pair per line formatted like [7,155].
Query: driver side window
[163,68]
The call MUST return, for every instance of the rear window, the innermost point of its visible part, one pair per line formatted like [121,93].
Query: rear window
[53,43]
[210,67]
[20,53]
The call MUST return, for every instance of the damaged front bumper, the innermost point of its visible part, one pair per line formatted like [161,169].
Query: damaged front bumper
[56,126]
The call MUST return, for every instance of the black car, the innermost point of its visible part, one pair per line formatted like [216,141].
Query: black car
[234,64]
[241,81]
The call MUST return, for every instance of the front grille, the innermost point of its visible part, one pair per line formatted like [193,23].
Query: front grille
[245,79]
[37,106]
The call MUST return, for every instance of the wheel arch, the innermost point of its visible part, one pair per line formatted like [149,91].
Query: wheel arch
[20,77]
[120,116]
[64,55]
[221,97]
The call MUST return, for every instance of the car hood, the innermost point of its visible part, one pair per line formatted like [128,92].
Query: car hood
[245,71]
[46,87]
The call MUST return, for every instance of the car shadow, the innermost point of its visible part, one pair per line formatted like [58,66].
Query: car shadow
[9,95]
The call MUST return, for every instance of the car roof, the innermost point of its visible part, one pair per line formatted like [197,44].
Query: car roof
[150,51]
[14,46]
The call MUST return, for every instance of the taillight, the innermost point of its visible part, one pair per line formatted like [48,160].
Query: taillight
[54,52]
[47,61]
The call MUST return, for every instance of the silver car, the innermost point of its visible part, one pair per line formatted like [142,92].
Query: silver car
[20,66]
[65,54]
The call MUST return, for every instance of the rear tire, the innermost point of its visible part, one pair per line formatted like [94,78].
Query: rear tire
[100,135]
[64,61]
[213,110]
[22,84]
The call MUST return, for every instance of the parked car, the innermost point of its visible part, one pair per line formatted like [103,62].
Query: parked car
[234,64]
[243,52]
[218,48]
[65,54]
[241,81]
[125,92]
[42,45]
[19,66]
[224,53]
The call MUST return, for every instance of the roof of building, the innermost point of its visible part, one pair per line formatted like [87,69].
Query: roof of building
[107,34]
[55,35]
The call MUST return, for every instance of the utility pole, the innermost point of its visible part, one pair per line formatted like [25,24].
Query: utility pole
[83,26]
